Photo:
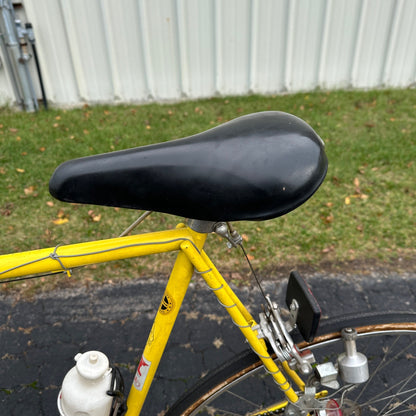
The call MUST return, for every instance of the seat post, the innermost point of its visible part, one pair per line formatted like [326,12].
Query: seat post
[201,226]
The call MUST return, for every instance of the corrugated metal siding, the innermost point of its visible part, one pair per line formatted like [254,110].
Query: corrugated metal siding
[6,93]
[141,50]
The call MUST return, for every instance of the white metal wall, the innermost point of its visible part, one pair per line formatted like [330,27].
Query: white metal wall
[141,50]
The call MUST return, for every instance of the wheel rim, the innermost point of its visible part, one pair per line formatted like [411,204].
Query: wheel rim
[390,390]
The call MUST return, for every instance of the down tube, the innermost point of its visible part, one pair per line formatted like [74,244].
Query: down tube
[162,326]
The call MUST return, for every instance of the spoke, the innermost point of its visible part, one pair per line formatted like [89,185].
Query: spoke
[399,404]
[217,411]
[243,399]
[379,367]
[383,363]
[399,392]
[257,407]
[376,398]
[214,411]
[389,391]
[400,411]
[389,397]
[350,388]
[400,352]
[342,389]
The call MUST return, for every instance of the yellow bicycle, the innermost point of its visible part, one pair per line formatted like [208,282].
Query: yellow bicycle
[253,168]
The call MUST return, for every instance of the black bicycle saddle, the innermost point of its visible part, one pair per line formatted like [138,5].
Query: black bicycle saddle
[255,167]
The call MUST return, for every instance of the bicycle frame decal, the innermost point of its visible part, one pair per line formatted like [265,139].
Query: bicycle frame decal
[141,373]
[167,305]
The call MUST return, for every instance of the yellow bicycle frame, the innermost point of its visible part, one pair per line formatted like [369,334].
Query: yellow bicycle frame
[191,257]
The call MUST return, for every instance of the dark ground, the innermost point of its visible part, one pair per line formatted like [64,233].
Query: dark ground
[39,337]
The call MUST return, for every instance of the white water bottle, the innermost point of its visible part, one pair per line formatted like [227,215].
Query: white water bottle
[85,386]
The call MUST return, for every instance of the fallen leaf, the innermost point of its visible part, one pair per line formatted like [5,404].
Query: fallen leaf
[218,342]
[328,219]
[20,170]
[95,217]
[50,204]
[245,237]
[29,190]
[60,221]
[335,180]
[6,210]
[356,182]
[347,200]
[250,257]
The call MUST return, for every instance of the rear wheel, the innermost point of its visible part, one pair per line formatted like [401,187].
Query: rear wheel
[242,387]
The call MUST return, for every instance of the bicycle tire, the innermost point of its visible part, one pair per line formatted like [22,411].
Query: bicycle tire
[380,336]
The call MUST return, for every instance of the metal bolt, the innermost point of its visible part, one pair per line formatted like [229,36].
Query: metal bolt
[349,334]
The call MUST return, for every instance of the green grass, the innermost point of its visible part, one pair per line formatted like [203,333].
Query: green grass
[364,211]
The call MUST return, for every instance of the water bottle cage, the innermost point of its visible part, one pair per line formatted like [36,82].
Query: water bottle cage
[118,407]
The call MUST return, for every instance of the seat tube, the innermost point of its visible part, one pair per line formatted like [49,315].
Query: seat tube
[162,326]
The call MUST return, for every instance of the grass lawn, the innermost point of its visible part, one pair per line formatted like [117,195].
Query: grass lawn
[364,213]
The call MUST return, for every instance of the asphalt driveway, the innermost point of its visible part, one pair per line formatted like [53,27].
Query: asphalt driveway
[40,337]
